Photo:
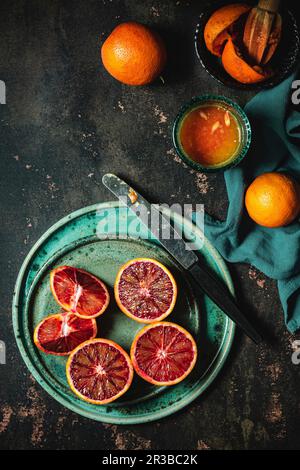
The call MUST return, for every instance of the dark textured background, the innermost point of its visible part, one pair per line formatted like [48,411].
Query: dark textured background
[66,123]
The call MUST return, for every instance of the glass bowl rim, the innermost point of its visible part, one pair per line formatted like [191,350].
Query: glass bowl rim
[192,104]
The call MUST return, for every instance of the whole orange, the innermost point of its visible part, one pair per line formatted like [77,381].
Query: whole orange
[134,54]
[273,199]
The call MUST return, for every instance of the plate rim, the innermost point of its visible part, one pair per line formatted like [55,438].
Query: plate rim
[214,368]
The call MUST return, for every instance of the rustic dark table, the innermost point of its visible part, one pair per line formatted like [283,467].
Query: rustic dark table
[65,124]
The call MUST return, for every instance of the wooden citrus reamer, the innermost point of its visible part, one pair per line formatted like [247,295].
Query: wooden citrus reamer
[263,31]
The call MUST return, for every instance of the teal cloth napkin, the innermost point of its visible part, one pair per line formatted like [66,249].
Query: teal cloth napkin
[276,147]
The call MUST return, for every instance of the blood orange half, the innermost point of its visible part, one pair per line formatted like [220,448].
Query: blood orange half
[145,290]
[163,353]
[61,333]
[99,371]
[78,291]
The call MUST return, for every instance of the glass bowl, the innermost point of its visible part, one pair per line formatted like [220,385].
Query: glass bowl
[241,118]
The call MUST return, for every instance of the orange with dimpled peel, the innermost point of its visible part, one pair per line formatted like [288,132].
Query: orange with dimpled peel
[163,353]
[273,199]
[145,290]
[134,54]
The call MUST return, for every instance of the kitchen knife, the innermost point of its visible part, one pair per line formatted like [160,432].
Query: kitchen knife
[177,247]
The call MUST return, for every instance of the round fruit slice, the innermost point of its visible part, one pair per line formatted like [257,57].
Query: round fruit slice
[61,333]
[163,353]
[99,371]
[238,68]
[218,27]
[145,290]
[79,292]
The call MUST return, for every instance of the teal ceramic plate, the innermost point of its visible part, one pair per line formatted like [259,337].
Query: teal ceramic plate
[100,239]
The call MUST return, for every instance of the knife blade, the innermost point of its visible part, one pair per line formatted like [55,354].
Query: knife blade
[177,247]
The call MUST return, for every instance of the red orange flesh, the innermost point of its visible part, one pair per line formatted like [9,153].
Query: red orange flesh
[163,353]
[61,333]
[99,371]
[145,290]
[78,291]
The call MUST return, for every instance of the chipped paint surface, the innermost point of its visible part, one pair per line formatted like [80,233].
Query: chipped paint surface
[247,429]
[274,413]
[162,118]
[6,412]
[37,412]
[257,276]
[202,183]
[275,371]
[125,440]
[173,154]
[154,11]
[201,445]
[121,107]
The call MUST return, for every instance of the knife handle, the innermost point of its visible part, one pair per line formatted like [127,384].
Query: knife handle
[223,299]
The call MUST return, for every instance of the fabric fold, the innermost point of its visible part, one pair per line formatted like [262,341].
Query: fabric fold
[275,146]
